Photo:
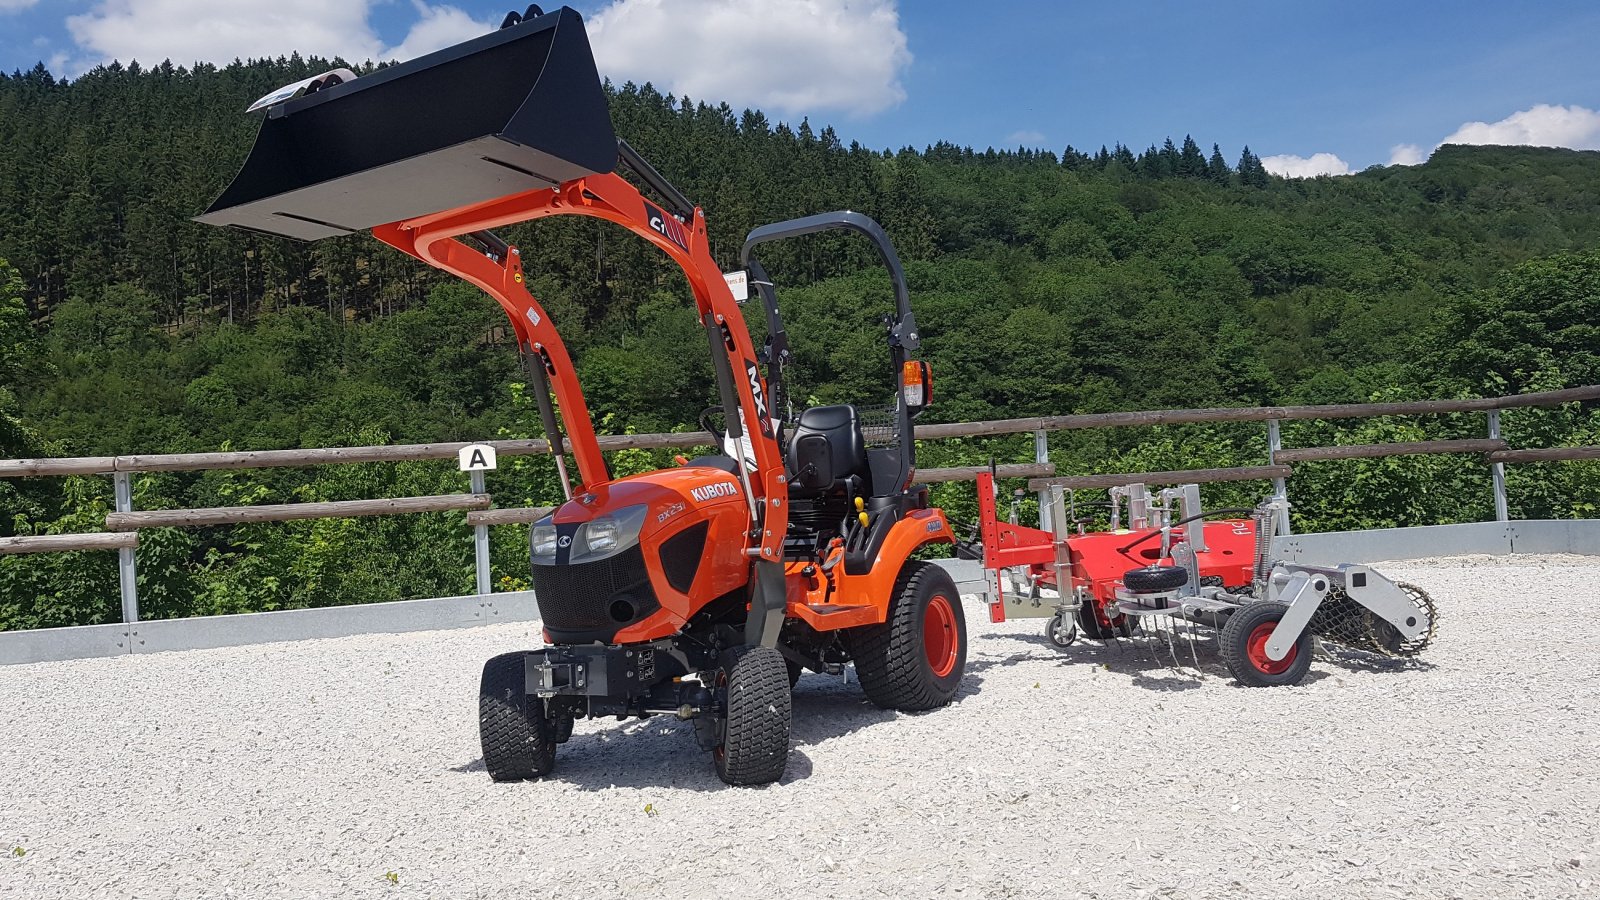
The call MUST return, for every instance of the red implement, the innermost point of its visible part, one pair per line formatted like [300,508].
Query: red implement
[1097,561]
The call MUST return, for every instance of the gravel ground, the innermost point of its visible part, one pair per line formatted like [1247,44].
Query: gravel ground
[350,768]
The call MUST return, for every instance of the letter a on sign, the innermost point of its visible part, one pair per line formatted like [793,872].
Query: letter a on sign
[477,458]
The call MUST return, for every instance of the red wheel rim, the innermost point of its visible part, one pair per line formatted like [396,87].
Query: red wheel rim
[1257,650]
[940,640]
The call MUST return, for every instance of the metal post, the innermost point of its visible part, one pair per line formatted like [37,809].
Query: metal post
[126,574]
[1501,514]
[1041,455]
[1280,487]
[480,541]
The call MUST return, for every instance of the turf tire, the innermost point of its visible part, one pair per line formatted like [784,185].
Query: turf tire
[754,684]
[519,742]
[891,660]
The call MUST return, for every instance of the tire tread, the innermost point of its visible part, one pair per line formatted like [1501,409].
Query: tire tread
[755,747]
[1234,641]
[889,657]
[517,745]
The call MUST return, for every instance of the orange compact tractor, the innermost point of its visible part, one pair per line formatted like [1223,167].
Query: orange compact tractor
[700,591]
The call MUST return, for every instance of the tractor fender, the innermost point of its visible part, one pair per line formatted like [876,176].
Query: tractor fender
[876,587]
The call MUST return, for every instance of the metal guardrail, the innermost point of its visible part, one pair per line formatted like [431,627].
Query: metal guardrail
[124,522]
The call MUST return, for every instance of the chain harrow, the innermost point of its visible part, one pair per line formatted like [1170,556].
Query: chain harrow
[1341,620]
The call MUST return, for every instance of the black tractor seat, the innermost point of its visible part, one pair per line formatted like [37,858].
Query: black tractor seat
[827,453]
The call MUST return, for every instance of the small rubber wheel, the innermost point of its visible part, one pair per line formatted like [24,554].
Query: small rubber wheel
[1059,631]
[753,687]
[1244,647]
[518,740]
[1095,624]
[1154,579]
[915,660]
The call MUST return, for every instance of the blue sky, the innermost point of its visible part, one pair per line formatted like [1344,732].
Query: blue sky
[1320,86]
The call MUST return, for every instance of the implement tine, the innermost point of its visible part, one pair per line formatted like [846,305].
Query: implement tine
[1172,645]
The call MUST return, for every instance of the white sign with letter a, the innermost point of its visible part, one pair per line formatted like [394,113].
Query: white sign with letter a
[477,458]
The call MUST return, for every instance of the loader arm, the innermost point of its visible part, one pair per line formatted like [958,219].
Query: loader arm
[435,240]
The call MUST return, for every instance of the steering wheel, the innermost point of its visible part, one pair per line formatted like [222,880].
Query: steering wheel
[721,434]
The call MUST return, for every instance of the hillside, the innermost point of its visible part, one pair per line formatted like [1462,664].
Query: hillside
[1044,283]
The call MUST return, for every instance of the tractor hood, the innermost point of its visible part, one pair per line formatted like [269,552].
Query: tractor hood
[518,109]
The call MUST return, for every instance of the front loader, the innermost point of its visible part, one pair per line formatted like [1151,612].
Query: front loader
[700,591]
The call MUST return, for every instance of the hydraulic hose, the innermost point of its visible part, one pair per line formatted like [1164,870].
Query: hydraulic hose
[1231,511]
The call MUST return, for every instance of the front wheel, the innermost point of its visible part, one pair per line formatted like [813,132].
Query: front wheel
[1060,630]
[753,687]
[915,660]
[1244,647]
[519,741]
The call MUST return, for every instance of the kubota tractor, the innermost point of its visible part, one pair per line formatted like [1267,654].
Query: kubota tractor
[699,591]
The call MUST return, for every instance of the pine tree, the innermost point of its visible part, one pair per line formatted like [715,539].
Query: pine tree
[1251,172]
[1155,164]
[1191,162]
[1218,170]
[1170,159]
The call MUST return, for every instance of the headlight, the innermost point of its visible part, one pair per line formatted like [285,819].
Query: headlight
[543,540]
[608,535]
[602,535]
[605,536]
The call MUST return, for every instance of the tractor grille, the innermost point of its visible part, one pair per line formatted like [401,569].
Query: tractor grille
[593,601]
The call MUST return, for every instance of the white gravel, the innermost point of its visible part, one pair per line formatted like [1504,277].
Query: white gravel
[323,768]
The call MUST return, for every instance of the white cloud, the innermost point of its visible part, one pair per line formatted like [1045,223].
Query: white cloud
[1025,139]
[1289,166]
[1406,155]
[788,56]
[189,31]
[439,27]
[7,6]
[1541,126]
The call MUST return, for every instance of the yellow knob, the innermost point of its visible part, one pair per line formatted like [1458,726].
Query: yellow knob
[860,504]
[863,517]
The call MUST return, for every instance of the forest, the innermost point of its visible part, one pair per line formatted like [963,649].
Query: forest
[1088,280]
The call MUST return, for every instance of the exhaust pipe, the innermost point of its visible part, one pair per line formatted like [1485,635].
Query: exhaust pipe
[515,110]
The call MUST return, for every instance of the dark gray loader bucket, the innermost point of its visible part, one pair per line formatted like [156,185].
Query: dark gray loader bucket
[519,109]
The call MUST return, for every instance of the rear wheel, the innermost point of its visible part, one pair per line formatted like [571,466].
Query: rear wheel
[1244,647]
[753,685]
[518,740]
[915,660]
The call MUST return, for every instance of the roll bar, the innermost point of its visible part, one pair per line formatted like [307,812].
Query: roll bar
[905,329]
[902,326]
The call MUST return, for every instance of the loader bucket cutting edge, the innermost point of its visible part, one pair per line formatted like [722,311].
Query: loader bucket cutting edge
[514,110]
